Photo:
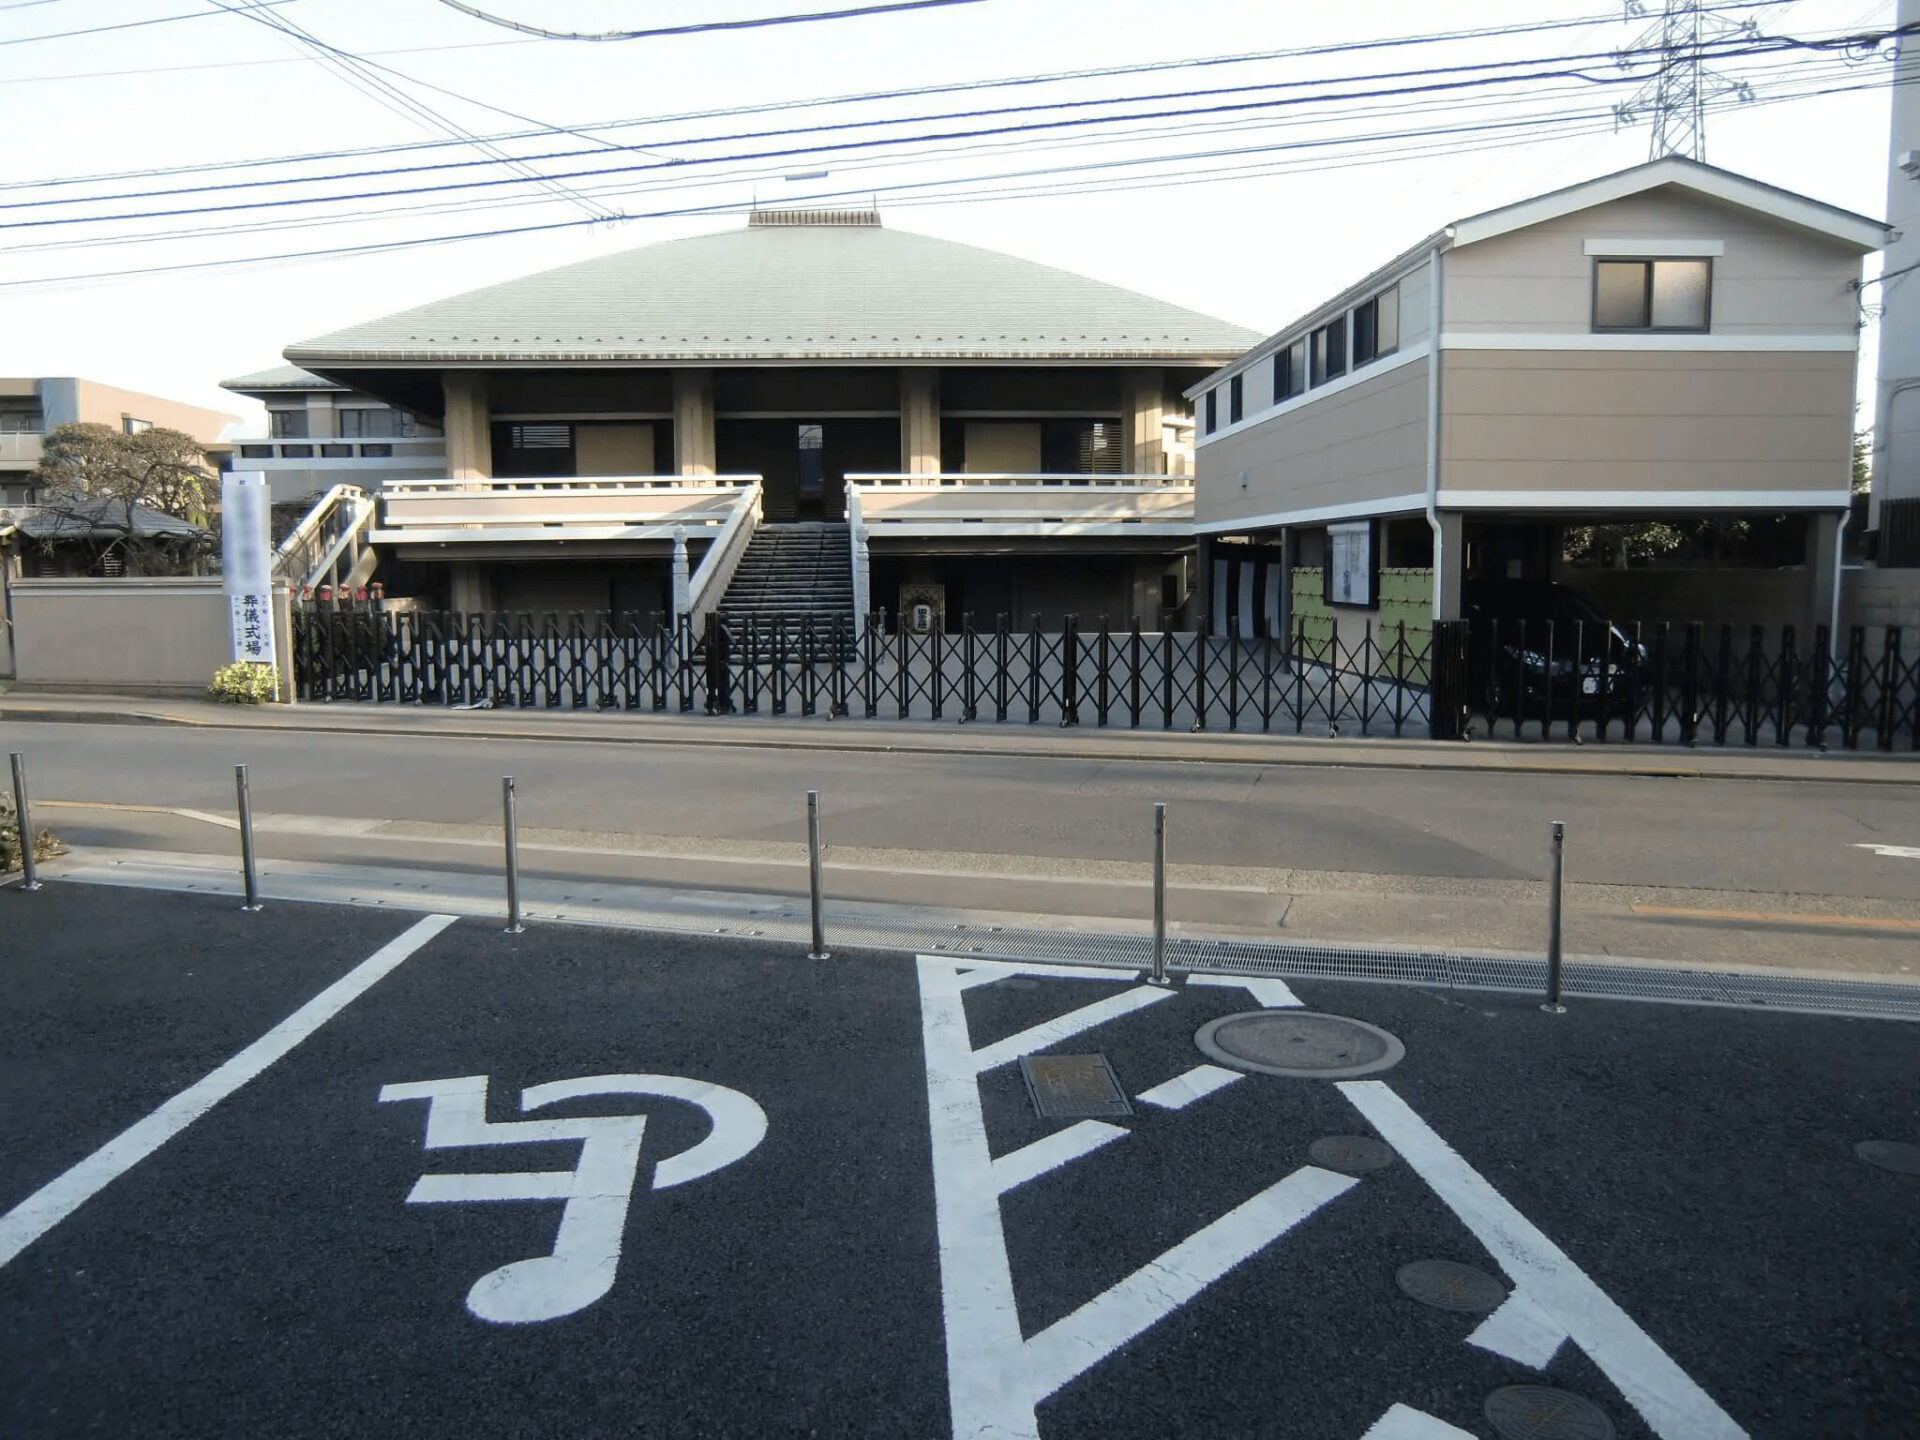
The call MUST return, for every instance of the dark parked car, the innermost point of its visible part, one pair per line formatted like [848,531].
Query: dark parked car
[1539,650]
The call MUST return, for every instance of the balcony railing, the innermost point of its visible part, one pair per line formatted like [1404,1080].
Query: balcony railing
[959,505]
[20,448]
[624,507]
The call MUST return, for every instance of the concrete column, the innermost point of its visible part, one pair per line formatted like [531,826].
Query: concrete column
[1824,555]
[693,442]
[1449,565]
[469,589]
[920,420]
[323,422]
[1144,404]
[469,443]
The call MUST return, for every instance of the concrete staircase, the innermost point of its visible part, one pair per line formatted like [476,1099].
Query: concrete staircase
[792,572]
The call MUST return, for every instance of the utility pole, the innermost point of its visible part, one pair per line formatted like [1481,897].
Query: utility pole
[1675,99]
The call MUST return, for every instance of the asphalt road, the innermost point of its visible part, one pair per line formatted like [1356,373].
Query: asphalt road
[262,1272]
[1697,870]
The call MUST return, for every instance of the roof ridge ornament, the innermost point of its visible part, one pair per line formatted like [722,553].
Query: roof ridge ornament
[832,219]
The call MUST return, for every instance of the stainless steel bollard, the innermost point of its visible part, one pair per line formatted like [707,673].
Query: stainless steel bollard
[29,877]
[1553,1005]
[514,927]
[819,951]
[1159,894]
[247,872]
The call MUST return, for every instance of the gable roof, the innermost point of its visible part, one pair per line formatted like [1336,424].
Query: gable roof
[1684,174]
[824,288]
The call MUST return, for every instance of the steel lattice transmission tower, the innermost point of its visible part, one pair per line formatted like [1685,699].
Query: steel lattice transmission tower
[1676,98]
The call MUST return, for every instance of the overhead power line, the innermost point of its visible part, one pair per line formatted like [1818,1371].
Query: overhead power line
[125,25]
[1459,78]
[700,27]
[875,96]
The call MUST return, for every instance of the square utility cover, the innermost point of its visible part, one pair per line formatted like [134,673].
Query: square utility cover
[1074,1087]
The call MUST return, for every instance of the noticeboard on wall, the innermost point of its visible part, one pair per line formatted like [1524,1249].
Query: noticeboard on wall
[1350,566]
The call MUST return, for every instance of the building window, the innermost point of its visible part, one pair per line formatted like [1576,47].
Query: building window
[336,452]
[134,427]
[376,452]
[256,452]
[1235,404]
[1213,410]
[368,424]
[1290,371]
[1376,327]
[541,437]
[296,452]
[19,422]
[1330,351]
[1651,294]
[287,424]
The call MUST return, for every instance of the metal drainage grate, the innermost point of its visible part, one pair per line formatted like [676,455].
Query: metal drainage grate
[1448,1285]
[1302,1044]
[1539,1412]
[1074,1087]
[1351,1154]
[1894,1155]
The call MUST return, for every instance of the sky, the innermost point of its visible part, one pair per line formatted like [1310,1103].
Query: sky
[1310,207]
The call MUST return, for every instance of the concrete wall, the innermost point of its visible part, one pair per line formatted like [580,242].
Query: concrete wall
[1652,421]
[1365,442]
[130,637]
[1769,280]
[1878,599]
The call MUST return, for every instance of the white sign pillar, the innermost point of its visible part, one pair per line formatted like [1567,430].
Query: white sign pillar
[246,554]
[682,579]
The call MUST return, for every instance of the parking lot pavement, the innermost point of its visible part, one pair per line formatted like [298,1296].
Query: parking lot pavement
[425,1178]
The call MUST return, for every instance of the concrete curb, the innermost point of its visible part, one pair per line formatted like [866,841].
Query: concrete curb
[940,738]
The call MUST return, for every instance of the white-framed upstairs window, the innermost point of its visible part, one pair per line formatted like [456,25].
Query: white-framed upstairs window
[1673,296]
[1329,351]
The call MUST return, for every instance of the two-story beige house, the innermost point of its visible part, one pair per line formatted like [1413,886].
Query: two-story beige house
[1671,342]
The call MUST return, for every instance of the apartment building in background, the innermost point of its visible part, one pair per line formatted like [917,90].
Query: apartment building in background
[29,408]
[1670,343]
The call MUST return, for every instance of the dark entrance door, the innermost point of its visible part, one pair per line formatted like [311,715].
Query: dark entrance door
[812,462]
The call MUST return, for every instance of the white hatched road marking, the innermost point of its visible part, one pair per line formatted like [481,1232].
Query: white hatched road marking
[997,1377]
[1403,1422]
[60,1197]
[1670,1402]
[1891,852]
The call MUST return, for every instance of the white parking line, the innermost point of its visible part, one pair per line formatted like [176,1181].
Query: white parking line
[1195,1084]
[1403,1422]
[1065,1027]
[60,1197]
[1050,1152]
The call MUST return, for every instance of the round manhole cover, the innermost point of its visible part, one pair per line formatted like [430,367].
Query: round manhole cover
[1895,1155]
[1446,1285]
[1300,1043]
[1539,1412]
[1350,1154]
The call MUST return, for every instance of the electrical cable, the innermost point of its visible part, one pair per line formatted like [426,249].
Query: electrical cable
[701,27]
[765,107]
[126,25]
[1485,75]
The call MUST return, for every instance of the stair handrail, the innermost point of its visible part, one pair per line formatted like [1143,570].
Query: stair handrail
[716,568]
[311,551]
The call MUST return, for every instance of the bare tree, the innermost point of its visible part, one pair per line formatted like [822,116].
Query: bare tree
[99,479]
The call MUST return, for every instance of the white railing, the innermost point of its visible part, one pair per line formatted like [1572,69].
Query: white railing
[338,528]
[960,505]
[615,507]
[259,452]
[710,581]
[862,579]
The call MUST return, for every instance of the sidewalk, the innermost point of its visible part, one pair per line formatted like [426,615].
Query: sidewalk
[986,738]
